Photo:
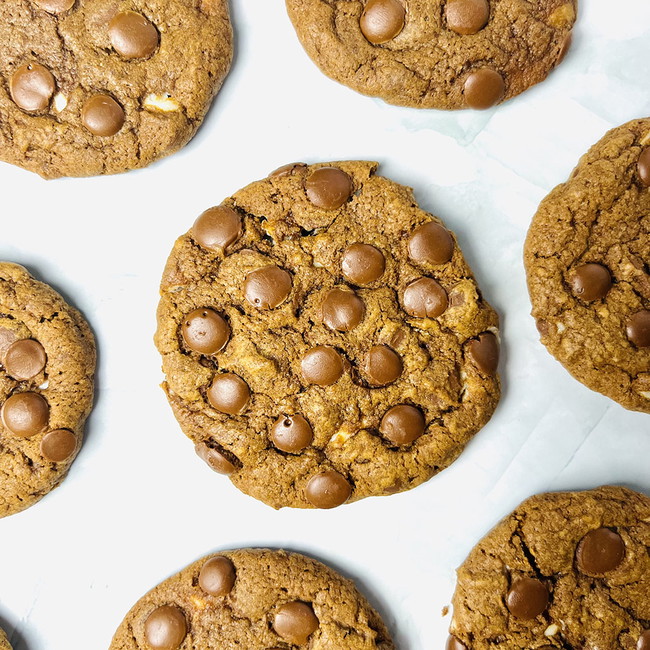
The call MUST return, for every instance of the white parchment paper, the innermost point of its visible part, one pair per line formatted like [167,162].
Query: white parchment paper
[138,506]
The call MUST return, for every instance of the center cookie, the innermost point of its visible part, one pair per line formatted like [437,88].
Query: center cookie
[99,87]
[253,599]
[323,338]
[47,363]
[565,570]
[436,53]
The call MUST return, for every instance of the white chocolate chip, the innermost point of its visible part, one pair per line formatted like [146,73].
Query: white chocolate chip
[165,103]
[560,327]
[44,385]
[318,265]
[552,630]
[60,102]
[646,139]
[645,393]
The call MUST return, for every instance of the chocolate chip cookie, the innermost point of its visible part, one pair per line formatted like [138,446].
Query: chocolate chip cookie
[564,570]
[47,362]
[103,86]
[586,256]
[323,338]
[255,599]
[447,54]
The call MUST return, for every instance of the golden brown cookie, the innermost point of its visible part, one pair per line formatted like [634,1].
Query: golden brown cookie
[323,338]
[436,53]
[564,570]
[47,363]
[103,86]
[586,257]
[4,642]
[254,599]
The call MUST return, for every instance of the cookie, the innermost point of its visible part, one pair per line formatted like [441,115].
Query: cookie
[447,54]
[47,362]
[323,338]
[255,599]
[586,258]
[103,86]
[4,642]
[564,570]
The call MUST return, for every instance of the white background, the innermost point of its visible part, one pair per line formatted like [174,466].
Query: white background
[138,505]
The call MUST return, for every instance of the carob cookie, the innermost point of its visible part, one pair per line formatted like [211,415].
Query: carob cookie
[47,363]
[103,86]
[566,570]
[323,338]
[254,599]
[586,256]
[436,53]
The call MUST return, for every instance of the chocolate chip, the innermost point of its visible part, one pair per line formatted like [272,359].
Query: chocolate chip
[55,6]
[267,287]
[102,115]
[205,331]
[291,433]
[383,366]
[527,598]
[25,414]
[342,310]
[467,16]
[295,622]
[424,298]
[484,353]
[217,576]
[484,88]
[229,394]
[591,282]
[644,641]
[32,86]
[382,20]
[165,628]
[362,263]
[58,445]
[643,167]
[287,170]
[328,490]
[638,328]
[430,244]
[217,228]
[132,35]
[402,424]
[328,187]
[600,551]
[453,643]
[25,359]
[322,365]
[214,459]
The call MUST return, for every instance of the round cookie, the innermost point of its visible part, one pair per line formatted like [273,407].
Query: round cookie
[448,54]
[255,599]
[47,363]
[586,258]
[564,570]
[323,338]
[102,86]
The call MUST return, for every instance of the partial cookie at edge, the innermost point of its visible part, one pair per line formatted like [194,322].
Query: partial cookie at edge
[586,258]
[255,599]
[47,363]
